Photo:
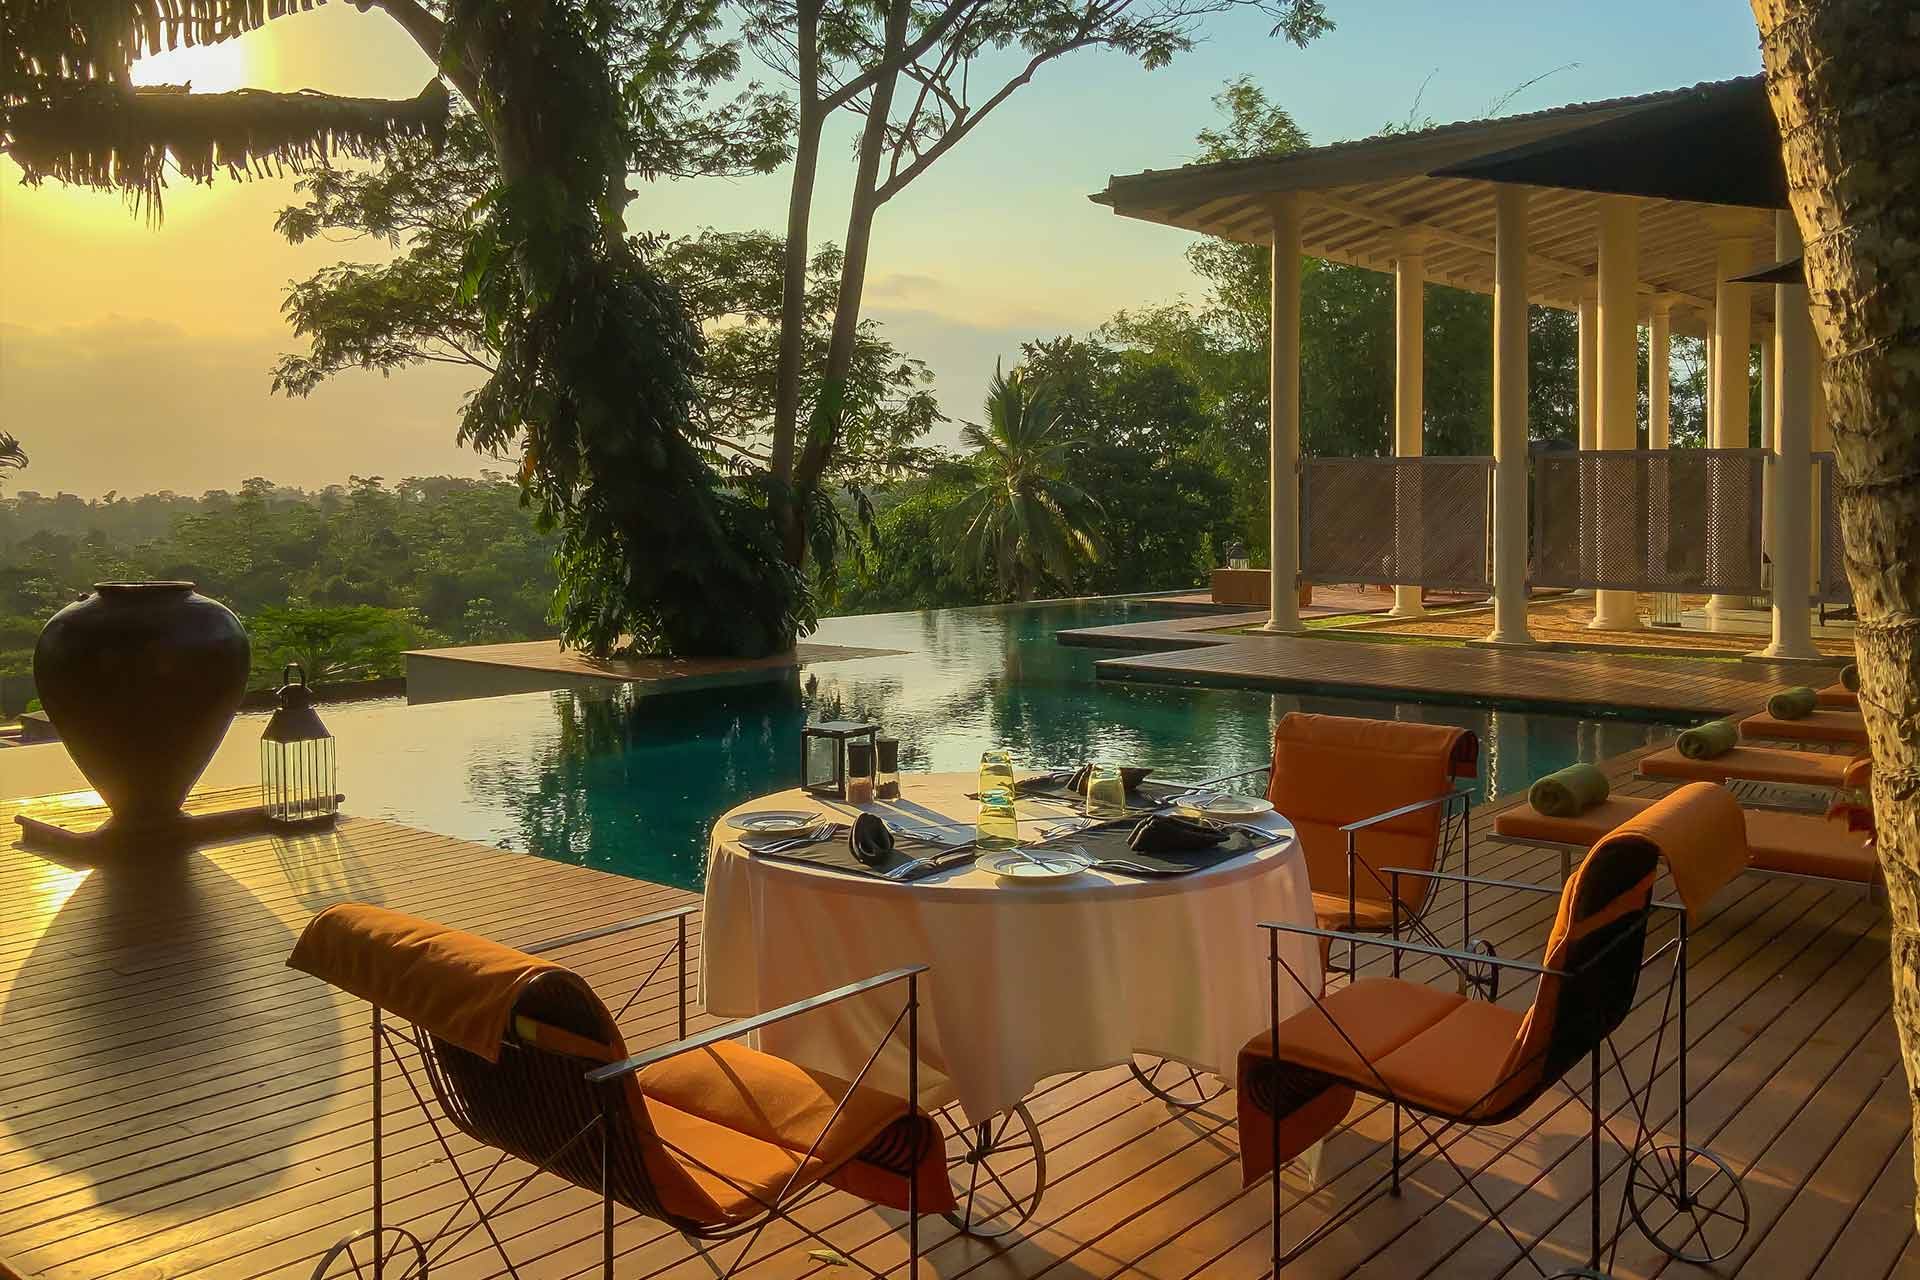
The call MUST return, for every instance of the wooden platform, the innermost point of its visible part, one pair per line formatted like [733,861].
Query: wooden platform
[1356,666]
[175,1102]
[489,670]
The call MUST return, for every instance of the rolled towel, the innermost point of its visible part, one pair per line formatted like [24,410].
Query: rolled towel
[1569,792]
[1792,704]
[1705,741]
[1850,677]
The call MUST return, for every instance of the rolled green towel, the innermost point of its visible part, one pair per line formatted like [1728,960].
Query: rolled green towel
[1705,741]
[1569,792]
[1850,677]
[1792,704]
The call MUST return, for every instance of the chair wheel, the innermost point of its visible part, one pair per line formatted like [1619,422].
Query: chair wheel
[998,1169]
[1483,978]
[399,1255]
[1175,1083]
[1688,1202]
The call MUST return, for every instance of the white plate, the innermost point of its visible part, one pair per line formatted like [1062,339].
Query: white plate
[1224,806]
[775,822]
[1047,864]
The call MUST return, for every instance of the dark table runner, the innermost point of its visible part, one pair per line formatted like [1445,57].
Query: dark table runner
[1148,797]
[832,853]
[1107,845]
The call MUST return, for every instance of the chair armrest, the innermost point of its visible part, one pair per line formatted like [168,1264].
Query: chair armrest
[1414,948]
[1417,805]
[740,1026]
[1453,877]
[588,935]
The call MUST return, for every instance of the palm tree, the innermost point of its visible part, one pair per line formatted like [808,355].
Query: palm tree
[12,456]
[1840,76]
[1026,523]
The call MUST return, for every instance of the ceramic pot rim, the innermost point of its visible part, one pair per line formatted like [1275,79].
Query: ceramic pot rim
[129,588]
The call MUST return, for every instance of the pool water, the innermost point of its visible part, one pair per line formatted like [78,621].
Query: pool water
[633,784]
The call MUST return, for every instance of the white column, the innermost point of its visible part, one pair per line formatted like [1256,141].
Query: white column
[1283,413]
[1732,336]
[1410,406]
[1793,403]
[1659,379]
[1586,369]
[1509,416]
[1617,380]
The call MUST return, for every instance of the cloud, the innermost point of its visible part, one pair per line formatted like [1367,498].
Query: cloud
[140,405]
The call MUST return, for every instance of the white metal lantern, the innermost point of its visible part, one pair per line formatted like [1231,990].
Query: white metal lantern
[298,786]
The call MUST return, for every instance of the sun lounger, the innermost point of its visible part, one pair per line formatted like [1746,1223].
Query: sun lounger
[1795,844]
[1762,764]
[1828,725]
[1838,695]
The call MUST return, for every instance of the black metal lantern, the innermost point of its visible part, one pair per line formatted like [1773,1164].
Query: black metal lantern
[823,755]
[298,786]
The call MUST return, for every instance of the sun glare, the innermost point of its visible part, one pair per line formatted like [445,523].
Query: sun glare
[213,68]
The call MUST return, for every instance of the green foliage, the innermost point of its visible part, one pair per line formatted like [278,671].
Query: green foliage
[333,644]
[910,565]
[1024,523]
[435,548]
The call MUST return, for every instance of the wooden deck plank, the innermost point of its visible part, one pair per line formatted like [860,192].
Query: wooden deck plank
[175,1102]
[1356,666]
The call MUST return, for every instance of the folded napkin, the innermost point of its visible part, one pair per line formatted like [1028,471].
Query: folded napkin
[870,841]
[1850,677]
[1174,833]
[1793,704]
[1705,741]
[1569,792]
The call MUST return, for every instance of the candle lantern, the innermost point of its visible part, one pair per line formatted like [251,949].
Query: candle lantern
[298,786]
[1237,554]
[823,755]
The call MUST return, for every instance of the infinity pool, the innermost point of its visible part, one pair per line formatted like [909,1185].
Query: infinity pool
[633,784]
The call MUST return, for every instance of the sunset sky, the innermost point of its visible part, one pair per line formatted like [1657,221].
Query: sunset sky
[135,358]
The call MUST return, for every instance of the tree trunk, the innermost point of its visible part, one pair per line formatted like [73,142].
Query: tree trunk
[789,515]
[1841,76]
[824,426]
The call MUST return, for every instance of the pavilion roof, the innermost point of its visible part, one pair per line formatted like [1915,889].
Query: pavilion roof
[1362,200]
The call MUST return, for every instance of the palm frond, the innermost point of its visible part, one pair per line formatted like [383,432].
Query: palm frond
[103,135]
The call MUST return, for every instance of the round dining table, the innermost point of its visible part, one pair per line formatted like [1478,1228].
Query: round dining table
[1026,980]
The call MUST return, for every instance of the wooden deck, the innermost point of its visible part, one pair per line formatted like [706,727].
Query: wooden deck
[175,1102]
[1356,666]
[489,670]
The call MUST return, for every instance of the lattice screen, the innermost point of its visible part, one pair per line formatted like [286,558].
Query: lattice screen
[1830,585]
[1411,522]
[1648,519]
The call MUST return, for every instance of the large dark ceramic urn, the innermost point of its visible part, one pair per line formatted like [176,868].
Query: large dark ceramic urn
[141,680]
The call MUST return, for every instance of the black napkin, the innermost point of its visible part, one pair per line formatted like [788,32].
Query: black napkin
[1174,833]
[871,842]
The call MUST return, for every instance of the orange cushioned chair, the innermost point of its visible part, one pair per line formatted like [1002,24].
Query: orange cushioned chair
[1366,794]
[1441,1055]
[706,1135]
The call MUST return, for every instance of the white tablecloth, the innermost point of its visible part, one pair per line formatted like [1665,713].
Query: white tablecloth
[1027,981]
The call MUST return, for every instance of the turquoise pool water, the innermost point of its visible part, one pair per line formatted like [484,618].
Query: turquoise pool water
[633,784]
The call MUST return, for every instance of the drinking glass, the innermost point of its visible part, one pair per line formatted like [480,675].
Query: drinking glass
[998,826]
[1106,792]
[996,772]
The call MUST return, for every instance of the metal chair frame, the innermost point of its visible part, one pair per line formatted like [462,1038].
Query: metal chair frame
[389,1040]
[1643,1148]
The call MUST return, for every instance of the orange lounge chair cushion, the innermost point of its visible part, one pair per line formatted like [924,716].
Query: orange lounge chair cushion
[754,1117]
[1762,764]
[1837,695]
[1820,725]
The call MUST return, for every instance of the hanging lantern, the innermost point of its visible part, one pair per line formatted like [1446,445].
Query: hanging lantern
[297,782]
